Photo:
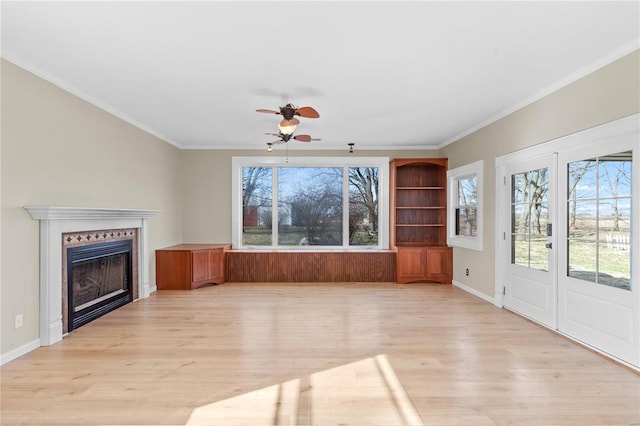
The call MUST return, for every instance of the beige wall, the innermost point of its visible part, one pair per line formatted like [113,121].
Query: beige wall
[206,183]
[59,150]
[610,93]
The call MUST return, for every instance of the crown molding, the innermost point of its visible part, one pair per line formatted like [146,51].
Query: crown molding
[603,61]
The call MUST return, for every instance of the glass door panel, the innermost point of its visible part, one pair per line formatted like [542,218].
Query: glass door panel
[599,220]
[529,219]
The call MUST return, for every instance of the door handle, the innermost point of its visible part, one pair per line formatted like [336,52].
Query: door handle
[548,245]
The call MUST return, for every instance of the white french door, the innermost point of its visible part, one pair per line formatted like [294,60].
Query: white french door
[531,269]
[598,294]
[568,236]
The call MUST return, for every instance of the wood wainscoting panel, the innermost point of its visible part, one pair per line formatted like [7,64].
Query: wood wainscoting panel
[283,266]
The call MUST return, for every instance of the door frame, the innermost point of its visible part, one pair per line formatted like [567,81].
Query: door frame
[629,125]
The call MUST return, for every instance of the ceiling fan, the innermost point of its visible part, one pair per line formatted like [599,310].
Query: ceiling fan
[289,124]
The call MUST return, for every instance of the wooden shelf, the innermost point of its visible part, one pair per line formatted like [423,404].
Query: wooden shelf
[418,207]
[419,224]
[410,208]
[419,219]
[420,187]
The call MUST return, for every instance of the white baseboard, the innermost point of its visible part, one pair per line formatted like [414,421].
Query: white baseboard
[474,292]
[18,352]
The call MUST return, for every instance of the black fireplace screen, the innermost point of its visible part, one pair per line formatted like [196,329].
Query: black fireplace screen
[98,280]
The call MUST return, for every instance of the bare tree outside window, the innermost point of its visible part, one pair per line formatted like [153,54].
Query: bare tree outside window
[466,208]
[577,172]
[599,216]
[529,218]
[464,202]
[313,196]
[256,205]
[363,205]
[616,176]
[287,205]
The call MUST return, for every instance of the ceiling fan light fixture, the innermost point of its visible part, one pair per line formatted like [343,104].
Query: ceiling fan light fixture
[351,144]
[287,127]
[269,146]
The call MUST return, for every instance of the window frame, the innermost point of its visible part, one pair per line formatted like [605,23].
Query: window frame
[382,163]
[453,177]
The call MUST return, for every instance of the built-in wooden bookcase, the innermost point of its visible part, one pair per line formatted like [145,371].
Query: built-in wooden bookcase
[419,219]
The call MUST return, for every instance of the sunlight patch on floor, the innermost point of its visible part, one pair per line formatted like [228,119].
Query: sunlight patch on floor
[362,392]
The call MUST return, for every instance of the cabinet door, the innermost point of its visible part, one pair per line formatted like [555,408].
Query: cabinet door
[216,265]
[439,264]
[200,265]
[173,271]
[411,264]
[208,265]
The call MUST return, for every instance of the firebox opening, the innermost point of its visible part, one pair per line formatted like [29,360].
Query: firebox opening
[99,280]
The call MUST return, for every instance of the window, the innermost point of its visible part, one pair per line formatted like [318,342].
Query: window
[465,206]
[529,219]
[310,203]
[599,220]
[466,211]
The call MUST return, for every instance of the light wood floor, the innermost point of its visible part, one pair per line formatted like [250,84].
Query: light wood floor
[325,354]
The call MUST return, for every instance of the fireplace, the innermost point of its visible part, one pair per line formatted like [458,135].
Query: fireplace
[99,280]
[65,227]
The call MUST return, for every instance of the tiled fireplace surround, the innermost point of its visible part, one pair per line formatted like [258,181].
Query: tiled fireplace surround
[57,223]
[89,238]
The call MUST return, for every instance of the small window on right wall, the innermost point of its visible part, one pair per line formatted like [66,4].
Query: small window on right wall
[464,222]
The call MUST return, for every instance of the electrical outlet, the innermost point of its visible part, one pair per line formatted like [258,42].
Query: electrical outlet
[19,320]
[466,272]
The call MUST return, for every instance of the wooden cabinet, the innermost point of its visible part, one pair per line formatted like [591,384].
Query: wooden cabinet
[419,219]
[439,261]
[424,264]
[189,266]
[411,264]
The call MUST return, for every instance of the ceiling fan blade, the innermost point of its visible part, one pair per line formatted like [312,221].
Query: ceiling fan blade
[307,112]
[278,142]
[277,135]
[268,111]
[303,138]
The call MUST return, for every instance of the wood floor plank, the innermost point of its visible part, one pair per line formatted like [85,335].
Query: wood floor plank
[292,353]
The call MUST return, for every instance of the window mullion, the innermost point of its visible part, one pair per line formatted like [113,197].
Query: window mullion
[274,207]
[345,207]
[597,207]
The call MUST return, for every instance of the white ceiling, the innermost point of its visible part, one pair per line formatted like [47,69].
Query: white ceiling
[384,75]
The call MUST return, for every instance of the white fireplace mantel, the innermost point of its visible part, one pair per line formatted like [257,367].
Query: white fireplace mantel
[87,213]
[55,221]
